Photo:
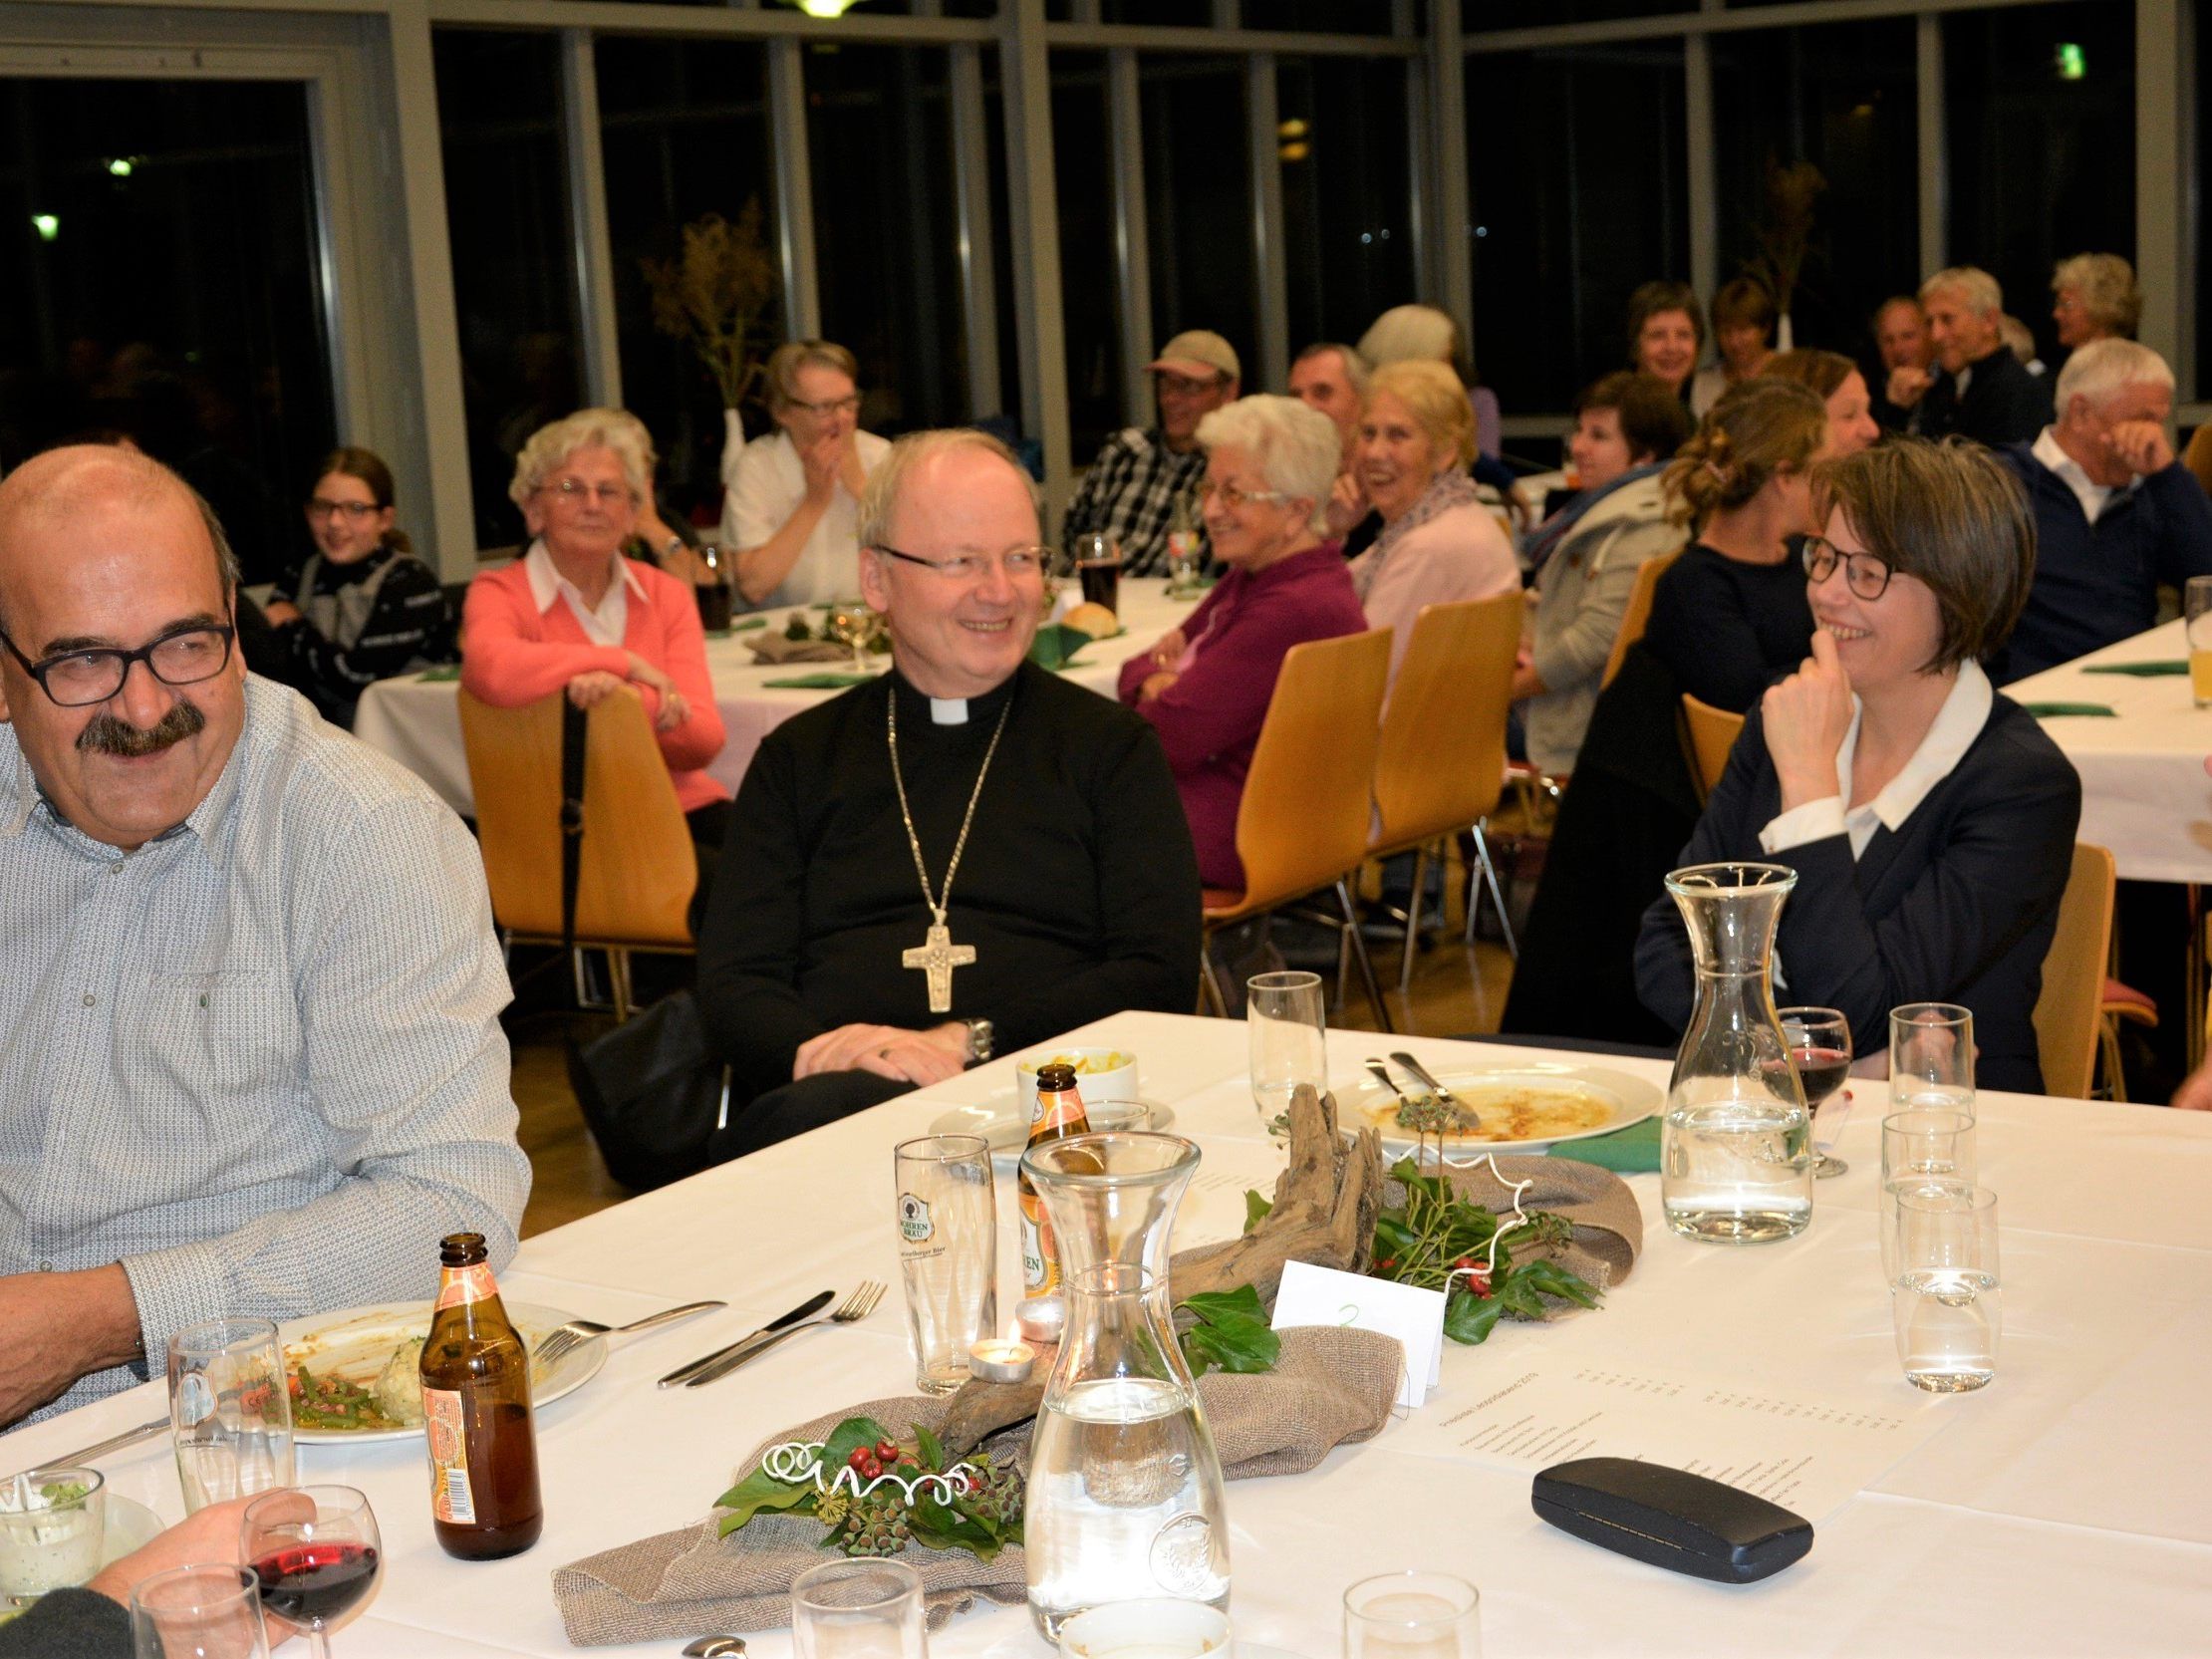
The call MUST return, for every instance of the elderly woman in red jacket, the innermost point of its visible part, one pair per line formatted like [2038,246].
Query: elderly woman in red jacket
[573,615]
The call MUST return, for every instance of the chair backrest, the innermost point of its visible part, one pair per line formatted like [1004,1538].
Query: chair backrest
[2072,1004]
[2198,456]
[637,869]
[1442,759]
[1308,797]
[1638,614]
[1712,734]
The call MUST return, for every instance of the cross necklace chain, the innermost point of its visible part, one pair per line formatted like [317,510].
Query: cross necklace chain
[936,955]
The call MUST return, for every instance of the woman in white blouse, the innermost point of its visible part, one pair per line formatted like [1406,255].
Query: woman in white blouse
[792,509]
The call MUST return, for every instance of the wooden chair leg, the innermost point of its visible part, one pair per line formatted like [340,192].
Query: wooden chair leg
[1359,954]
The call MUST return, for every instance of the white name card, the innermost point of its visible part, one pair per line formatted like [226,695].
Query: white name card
[1312,1295]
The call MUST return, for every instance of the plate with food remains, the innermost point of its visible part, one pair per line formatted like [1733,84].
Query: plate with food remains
[355,1375]
[1520,1108]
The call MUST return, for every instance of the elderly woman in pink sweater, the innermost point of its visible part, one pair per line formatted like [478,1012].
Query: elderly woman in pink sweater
[573,615]
[1439,542]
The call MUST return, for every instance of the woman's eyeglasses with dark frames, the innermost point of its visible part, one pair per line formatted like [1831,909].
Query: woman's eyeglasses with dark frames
[1865,575]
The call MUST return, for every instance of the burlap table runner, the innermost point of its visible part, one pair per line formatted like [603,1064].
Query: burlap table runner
[773,647]
[1608,1223]
[1329,1386]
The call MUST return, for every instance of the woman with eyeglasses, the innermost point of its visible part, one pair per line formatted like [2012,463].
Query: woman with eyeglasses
[361,606]
[791,507]
[1271,463]
[1929,818]
[573,615]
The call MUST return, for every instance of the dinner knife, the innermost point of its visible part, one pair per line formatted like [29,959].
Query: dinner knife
[685,1373]
[1474,1119]
[113,1443]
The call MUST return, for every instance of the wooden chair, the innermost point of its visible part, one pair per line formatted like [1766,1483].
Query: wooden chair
[1638,615]
[1711,734]
[1441,763]
[1302,822]
[2070,1013]
[637,869]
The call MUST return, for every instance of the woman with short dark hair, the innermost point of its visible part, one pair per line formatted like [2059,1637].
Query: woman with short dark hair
[1744,318]
[1930,819]
[1666,331]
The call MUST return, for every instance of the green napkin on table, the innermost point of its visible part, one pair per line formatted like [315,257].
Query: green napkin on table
[2049,711]
[438,676]
[743,626]
[826,681]
[1057,645]
[1630,1151]
[2141,671]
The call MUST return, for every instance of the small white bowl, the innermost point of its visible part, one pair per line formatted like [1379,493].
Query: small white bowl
[1101,1074]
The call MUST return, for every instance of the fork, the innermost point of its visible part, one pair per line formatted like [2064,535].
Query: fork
[852,1309]
[561,1340]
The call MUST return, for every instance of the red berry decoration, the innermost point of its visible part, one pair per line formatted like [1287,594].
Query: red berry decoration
[888,1450]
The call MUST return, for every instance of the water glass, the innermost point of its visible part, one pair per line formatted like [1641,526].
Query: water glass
[198,1612]
[230,1410]
[1931,1057]
[53,1522]
[1413,1615]
[1947,1298]
[1921,1150]
[948,1217]
[1288,1023]
[858,1609]
[1147,1630]
[2196,605]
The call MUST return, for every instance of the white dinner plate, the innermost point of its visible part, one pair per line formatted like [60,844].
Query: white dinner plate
[130,1526]
[1006,1126]
[1363,1101]
[356,1342]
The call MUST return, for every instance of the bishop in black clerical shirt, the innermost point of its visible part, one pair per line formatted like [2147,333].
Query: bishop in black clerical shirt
[845,955]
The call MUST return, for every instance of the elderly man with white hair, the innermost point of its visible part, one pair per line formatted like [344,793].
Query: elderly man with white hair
[2116,514]
[1980,390]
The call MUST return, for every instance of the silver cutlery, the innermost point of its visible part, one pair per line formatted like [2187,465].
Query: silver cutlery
[113,1443]
[715,1647]
[1474,1120]
[561,1340]
[1381,1074]
[812,1305]
[854,1307]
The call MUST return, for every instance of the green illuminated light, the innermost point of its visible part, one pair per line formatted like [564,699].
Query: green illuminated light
[48,225]
[2072,61]
[120,168]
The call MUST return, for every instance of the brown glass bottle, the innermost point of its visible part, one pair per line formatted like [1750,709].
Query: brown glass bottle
[1058,1114]
[477,1423]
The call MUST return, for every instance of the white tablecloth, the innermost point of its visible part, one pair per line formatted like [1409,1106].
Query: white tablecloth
[418,722]
[2061,1510]
[2144,789]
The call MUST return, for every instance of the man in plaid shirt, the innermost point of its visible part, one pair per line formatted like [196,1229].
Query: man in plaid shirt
[1131,489]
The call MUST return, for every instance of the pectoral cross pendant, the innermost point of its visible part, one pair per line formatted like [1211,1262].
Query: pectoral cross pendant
[936,955]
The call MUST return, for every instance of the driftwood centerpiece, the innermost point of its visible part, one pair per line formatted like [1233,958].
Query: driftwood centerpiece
[1324,1213]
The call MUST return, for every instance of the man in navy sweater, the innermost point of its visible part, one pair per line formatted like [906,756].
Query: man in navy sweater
[1979,390]
[2116,514]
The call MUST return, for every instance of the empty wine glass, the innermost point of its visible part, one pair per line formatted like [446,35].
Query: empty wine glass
[1821,1049]
[851,624]
[1289,1041]
[315,1556]
[197,1613]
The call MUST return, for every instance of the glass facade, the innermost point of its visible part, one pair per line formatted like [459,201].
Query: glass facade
[1347,200]
[1198,201]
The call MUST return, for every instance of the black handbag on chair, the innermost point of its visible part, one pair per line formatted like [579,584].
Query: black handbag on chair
[649,1091]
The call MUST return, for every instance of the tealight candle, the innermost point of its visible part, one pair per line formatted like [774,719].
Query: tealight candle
[1001,1360]
[1041,1320]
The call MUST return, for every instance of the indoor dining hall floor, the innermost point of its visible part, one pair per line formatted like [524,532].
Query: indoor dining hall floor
[1457,989]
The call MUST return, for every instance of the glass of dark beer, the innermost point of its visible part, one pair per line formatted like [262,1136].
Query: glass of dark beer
[1098,568]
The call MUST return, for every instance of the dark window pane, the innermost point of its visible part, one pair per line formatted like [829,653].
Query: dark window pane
[1536,14]
[2042,126]
[1082,184]
[683,132]
[160,279]
[1346,199]
[885,231]
[1841,97]
[1198,201]
[1332,17]
[1576,168]
[514,270]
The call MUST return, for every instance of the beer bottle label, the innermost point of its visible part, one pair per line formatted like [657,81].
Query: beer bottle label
[453,1500]
[1039,1270]
[456,1285]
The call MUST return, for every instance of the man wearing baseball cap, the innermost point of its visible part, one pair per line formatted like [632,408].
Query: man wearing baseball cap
[1131,489]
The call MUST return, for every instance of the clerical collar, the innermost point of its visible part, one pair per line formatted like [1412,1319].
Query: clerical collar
[955,710]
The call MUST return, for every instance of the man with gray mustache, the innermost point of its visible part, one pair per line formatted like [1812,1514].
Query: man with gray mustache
[250,1058]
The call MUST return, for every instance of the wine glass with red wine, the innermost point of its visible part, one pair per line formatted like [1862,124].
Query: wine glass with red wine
[314,1553]
[1821,1050]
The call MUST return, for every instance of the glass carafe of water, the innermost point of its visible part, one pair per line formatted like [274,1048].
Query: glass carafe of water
[1125,1489]
[1735,1151]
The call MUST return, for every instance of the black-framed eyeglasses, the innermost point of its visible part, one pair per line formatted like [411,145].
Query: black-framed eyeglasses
[847,404]
[354,512]
[1018,562]
[181,656]
[1867,576]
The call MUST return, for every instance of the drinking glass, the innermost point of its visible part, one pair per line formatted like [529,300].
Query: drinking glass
[1928,1150]
[1931,1057]
[198,1612]
[1413,1615]
[1288,1024]
[2196,603]
[1147,1630]
[1946,1296]
[53,1522]
[858,1609]
[230,1410]
[1821,1049]
[1098,569]
[948,1216]
[315,1556]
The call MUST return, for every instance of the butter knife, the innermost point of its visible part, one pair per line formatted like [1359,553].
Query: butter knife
[1474,1120]
[685,1373]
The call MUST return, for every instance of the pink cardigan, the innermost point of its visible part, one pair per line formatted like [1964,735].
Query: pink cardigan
[513,654]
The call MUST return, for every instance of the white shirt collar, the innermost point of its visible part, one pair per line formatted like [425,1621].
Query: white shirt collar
[2093,497]
[603,623]
[1957,724]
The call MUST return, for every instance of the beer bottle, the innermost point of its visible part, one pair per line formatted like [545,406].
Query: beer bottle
[477,1423]
[1058,1114]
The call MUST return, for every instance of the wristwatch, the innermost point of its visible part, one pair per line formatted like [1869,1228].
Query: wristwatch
[981,1037]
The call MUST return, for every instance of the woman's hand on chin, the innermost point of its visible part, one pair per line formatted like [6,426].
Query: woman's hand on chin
[1805,717]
